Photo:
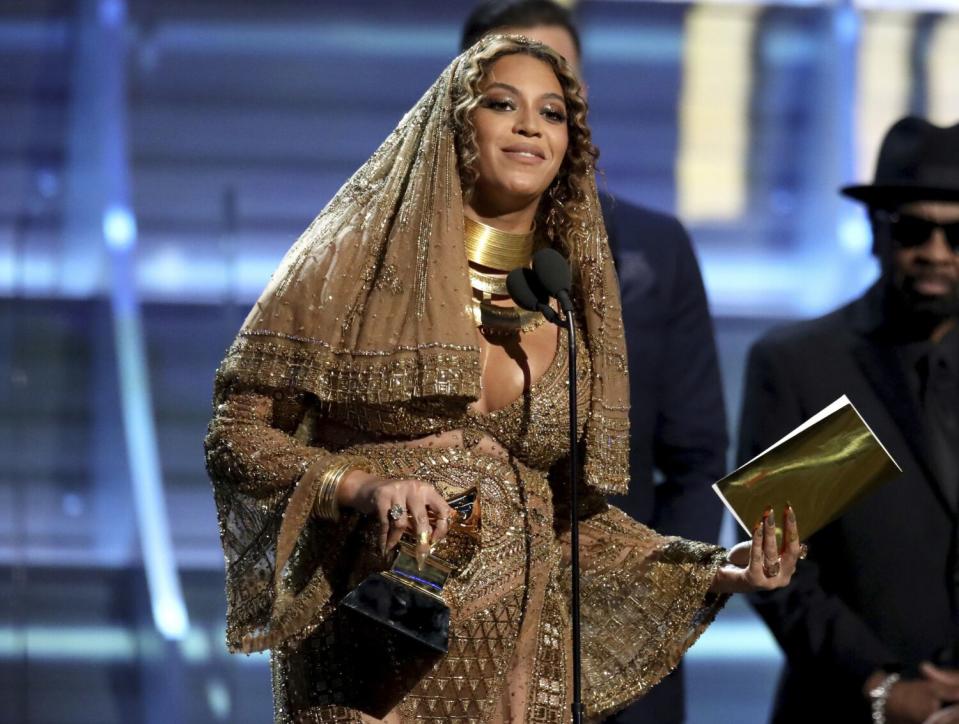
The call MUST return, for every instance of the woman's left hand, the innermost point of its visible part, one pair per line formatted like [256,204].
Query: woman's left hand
[759,565]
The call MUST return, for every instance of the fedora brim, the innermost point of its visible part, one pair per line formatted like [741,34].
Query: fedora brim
[891,194]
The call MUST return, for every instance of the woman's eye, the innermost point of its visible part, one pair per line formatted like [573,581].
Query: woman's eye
[554,115]
[498,104]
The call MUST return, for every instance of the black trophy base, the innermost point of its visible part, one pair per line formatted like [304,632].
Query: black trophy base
[423,620]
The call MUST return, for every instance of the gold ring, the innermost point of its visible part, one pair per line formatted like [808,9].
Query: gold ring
[772,570]
[424,536]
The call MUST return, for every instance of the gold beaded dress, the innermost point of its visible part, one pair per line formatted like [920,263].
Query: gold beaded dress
[357,346]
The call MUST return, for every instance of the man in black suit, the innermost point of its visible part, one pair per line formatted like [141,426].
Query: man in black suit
[677,417]
[870,623]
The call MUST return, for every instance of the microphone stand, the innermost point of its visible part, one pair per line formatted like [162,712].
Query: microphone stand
[522,292]
[574,517]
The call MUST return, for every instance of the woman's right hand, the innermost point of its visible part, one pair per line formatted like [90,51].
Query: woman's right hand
[372,495]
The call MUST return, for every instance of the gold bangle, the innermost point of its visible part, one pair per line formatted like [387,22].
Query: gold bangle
[325,506]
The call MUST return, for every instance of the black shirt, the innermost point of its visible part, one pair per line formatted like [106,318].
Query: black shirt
[932,370]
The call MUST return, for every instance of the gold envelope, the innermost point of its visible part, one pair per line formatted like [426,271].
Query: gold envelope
[821,468]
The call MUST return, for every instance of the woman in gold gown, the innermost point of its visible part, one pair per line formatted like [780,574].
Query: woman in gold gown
[383,371]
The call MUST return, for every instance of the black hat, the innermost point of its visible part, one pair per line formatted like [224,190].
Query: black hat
[917,162]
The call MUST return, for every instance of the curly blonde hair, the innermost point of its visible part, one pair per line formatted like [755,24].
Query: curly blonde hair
[562,210]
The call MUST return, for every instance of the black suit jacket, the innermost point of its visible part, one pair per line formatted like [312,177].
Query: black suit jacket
[677,417]
[877,588]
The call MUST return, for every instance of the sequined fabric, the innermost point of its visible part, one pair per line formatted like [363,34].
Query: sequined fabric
[363,343]
[371,305]
[644,596]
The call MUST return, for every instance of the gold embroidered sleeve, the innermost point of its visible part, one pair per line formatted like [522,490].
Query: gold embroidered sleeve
[645,600]
[251,446]
[279,559]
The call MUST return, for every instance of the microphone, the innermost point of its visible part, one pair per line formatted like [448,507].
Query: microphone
[553,273]
[554,277]
[525,289]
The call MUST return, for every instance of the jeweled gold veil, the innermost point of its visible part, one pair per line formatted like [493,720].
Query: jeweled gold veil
[372,303]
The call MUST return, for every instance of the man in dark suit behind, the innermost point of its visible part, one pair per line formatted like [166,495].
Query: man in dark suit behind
[677,417]
[870,624]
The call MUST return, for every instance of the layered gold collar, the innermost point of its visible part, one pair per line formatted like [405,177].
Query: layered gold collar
[496,249]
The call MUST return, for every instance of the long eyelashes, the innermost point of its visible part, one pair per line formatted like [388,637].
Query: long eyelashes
[498,105]
[503,105]
[555,116]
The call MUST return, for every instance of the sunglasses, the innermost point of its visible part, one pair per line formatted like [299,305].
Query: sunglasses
[908,231]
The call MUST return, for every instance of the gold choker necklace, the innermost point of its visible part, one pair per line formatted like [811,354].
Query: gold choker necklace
[496,320]
[496,249]
[488,284]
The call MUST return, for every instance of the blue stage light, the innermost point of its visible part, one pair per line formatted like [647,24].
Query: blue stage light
[119,227]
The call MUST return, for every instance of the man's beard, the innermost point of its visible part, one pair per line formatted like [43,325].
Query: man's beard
[917,315]
[940,306]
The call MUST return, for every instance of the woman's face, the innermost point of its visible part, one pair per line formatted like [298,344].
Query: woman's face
[521,133]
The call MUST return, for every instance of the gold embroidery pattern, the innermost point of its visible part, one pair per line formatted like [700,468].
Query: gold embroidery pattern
[644,595]
[362,341]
